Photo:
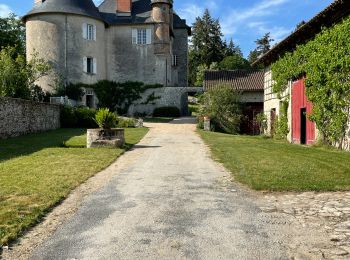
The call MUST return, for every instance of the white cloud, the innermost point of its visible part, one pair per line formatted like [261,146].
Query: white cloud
[238,18]
[191,11]
[5,10]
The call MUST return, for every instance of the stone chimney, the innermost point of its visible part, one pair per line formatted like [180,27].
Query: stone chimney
[124,7]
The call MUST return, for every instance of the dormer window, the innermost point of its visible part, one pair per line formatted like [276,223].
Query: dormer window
[89,32]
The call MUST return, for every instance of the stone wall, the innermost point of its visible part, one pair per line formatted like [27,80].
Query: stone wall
[20,117]
[167,97]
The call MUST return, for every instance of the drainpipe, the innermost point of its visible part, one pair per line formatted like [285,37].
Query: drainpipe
[66,51]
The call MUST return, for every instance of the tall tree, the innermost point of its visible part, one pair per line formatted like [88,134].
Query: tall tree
[207,44]
[234,62]
[12,33]
[263,45]
[232,49]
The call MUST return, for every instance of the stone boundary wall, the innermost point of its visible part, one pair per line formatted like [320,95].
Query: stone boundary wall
[166,96]
[20,117]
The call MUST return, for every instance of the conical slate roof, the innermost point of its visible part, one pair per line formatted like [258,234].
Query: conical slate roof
[80,7]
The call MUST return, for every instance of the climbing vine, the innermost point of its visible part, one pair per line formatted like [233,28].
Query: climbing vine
[281,122]
[325,61]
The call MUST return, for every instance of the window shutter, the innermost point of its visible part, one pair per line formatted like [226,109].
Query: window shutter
[95,66]
[95,35]
[134,36]
[85,32]
[149,36]
[85,64]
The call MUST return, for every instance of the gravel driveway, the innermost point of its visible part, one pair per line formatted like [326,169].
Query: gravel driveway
[172,201]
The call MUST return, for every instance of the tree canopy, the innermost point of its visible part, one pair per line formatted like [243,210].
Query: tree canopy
[263,45]
[12,33]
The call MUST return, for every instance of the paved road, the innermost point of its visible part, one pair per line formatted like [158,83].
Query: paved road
[171,202]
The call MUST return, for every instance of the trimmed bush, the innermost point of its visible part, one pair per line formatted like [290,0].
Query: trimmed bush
[166,112]
[77,117]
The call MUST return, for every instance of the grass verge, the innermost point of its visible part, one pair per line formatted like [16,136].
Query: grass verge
[38,171]
[267,164]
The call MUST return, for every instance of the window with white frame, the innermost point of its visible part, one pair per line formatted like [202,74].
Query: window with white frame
[89,32]
[141,36]
[90,65]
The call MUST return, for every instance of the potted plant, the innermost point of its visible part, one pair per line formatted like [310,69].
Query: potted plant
[106,135]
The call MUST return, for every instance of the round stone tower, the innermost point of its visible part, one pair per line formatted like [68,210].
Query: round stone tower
[161,15]
[69,34]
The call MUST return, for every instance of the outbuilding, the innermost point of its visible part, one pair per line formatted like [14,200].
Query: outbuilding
[301,129]
[250,84]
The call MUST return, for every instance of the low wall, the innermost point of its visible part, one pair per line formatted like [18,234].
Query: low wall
[166,96]
[20,117]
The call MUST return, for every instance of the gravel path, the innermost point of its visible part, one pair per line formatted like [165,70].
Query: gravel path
[172,201]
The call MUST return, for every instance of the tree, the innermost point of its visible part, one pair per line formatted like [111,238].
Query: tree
[17,76]
[207,44]
[201,71]
[12,33]
[207,39]
[263,45]
[234,62]
[232,49]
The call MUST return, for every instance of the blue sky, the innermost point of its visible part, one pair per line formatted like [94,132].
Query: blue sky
[244,21]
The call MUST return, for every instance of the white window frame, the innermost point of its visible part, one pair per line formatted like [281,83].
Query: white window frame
[141,36]
[90,65]
[89,31]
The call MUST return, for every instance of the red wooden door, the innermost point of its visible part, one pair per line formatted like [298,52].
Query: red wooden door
[300,104]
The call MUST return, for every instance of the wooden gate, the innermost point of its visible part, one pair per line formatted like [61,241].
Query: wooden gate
[303,130]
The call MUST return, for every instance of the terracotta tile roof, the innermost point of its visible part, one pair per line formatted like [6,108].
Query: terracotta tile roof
[333,14]
[242,80]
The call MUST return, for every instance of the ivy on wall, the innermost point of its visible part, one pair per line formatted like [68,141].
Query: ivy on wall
[325,61]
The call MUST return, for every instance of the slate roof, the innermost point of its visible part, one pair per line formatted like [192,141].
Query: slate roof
[333,14]
[81,7]
[140,13]
[241,80]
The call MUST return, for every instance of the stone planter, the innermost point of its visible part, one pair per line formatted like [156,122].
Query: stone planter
[114,137]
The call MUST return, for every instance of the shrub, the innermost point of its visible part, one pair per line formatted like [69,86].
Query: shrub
[85,117]
[68,117]
[72,91]
[126,122]
[224,108]
[106,119]
[166,112]
[77,117]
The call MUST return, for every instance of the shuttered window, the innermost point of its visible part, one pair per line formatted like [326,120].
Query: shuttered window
[141,36]
[89,32]
[90,65]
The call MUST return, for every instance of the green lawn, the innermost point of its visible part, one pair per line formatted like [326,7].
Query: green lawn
[267,164]
[38,171]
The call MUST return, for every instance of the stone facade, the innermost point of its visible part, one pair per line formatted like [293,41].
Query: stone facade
[20,117]
[56,31]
